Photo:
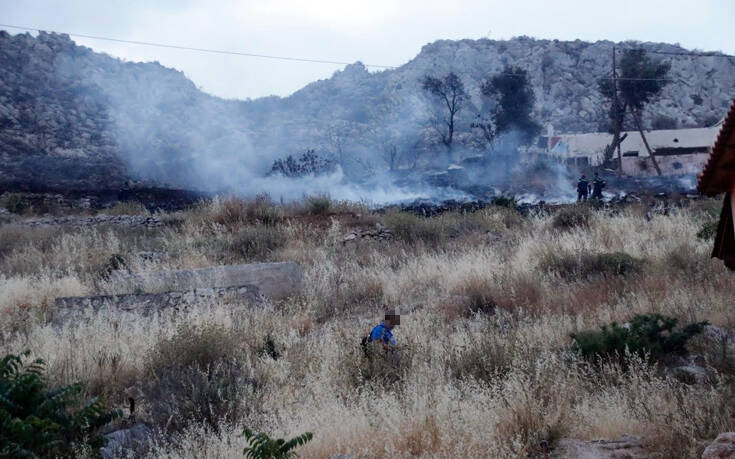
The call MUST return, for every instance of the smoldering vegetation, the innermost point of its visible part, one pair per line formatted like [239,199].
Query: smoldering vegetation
[76,119]
[489,301]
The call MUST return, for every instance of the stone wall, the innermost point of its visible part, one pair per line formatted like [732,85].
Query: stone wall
[68,309]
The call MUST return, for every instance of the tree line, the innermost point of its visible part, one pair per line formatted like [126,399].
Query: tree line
[509,100]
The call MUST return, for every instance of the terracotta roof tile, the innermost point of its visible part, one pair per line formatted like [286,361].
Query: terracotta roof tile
[719,150]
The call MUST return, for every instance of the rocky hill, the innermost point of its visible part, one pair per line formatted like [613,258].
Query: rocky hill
[73,118]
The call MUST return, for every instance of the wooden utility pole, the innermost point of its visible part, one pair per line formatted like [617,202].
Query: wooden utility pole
[616,105]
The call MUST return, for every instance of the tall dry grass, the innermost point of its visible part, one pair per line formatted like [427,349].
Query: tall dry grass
[485,367]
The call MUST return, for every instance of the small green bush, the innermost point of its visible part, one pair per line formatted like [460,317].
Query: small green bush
[261,446]
[646,334]
[505,201]
[708,231]
[572,267]
[14,203]
[38,421]
[573,216]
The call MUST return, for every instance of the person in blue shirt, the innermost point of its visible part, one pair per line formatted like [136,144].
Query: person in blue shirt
[383,332]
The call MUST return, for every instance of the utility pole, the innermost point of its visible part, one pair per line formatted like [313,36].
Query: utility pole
[616,136]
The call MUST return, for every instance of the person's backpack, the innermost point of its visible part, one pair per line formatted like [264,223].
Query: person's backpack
[364,342]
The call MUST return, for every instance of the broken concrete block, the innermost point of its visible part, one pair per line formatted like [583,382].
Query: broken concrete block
[273,280]
[627,446]
[126,440]
[77,308]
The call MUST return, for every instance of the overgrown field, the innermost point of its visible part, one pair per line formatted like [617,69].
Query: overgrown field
[488,302]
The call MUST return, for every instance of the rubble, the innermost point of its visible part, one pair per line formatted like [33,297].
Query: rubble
[380,233]
[625,447]
[120,441]
[722,448]
[128,221]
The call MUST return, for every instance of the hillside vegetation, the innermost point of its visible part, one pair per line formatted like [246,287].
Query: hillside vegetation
[73,118]
[488,301]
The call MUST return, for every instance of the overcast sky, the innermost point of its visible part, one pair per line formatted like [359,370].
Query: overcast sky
[384,32]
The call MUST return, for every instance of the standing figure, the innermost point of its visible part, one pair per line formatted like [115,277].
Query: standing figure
[583,188]
[597,185]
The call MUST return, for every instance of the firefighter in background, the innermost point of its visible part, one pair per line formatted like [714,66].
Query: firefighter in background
[583,188]
[597,185]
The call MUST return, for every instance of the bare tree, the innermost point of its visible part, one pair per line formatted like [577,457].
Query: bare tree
[451,95]
[390,155]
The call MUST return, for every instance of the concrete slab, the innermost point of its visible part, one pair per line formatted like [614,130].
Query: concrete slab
[69,309]
[273,280]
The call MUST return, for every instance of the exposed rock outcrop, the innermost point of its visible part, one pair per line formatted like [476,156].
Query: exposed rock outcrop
[71,118]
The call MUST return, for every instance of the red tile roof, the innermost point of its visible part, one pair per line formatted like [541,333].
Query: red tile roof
[720,151]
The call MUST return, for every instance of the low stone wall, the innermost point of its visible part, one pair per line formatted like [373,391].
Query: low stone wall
[148,304]
[129,221]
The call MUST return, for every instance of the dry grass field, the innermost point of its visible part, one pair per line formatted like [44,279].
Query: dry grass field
[488,302]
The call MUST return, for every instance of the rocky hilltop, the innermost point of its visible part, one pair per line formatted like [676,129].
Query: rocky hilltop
[73,118]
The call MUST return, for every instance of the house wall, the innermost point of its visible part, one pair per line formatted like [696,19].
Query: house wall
[669,164]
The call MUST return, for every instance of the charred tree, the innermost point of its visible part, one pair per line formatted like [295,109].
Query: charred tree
[450,93]
[513,99]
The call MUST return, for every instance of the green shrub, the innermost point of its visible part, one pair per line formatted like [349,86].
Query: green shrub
[261,446]
[586,265]
[38,421]
[198,376]
[256,242]
[646,334]
[14,203]
[319,204]
[708,231]
[573,216]
[505,201]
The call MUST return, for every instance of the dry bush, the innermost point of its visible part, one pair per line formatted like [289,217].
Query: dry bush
[571,267]
[255,243]
[412,229]
[435,231]
[233,212]
[572,216]
[485,357]
[126,208]
[198,375]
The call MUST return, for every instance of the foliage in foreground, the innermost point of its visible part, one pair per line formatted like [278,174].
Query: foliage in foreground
[646,334]
[264,447]
[36,421]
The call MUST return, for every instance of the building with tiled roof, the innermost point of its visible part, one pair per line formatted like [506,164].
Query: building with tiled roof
[718,176]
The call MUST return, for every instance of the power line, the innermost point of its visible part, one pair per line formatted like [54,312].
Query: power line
[201,50]
[690,54]
[323,61]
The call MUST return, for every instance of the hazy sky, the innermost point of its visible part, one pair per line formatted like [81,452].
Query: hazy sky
[386,32]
